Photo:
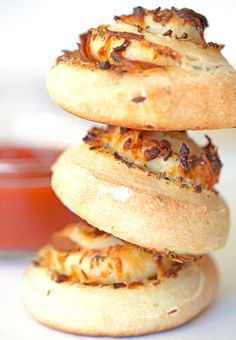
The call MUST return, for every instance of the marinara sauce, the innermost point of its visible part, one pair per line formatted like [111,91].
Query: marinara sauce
[29,209]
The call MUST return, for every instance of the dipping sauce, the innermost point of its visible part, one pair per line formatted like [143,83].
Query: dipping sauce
[29,209]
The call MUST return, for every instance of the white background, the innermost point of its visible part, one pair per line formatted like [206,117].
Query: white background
[32,33]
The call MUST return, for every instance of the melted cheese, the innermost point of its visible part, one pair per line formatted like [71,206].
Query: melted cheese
[172,155]
[162,38]
[101,258]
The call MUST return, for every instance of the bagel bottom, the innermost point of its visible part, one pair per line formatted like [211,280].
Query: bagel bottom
[105,310]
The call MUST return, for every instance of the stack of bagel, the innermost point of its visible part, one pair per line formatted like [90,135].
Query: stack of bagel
[137,261]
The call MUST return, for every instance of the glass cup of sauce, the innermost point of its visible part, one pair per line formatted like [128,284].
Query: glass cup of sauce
[29,209]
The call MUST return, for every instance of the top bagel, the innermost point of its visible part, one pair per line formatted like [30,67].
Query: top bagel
[151,70]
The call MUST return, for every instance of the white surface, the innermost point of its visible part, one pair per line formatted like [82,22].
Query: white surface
[32,34]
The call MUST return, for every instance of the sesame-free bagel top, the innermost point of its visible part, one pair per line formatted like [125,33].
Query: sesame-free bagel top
[151,70]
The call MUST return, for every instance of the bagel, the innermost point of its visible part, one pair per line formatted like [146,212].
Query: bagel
[56,294]
[122,193]
[151,70]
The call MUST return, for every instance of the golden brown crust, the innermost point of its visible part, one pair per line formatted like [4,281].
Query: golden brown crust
[173,156]
[148,71]
[137,206]
[103,310]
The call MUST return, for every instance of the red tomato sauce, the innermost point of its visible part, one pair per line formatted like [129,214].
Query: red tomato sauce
[29,209]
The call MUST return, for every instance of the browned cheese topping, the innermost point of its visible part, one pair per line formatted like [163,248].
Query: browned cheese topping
[81,253]
[147,39]
[170,155]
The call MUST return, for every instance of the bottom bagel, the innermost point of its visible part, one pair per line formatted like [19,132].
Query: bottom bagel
[118,293]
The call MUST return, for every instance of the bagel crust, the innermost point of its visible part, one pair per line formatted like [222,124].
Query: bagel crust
[120,311]
[151,70]
[137,206]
